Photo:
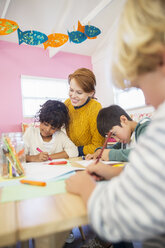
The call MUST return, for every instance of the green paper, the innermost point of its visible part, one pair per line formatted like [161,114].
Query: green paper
[23,192]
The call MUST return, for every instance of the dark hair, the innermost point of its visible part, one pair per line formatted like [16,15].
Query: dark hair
[109,117]
[55,113]
[85,78]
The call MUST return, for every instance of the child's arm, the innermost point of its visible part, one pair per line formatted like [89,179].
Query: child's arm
[62,154]
[42,156]
[104,171]
[119,154]
[105,155]
[75,185]
[111,155]
[116,154]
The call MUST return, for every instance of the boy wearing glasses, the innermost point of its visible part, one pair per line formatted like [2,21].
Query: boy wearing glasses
[124,130]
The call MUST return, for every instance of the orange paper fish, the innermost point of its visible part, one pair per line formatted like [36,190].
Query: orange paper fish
[7,26]
[56,40]
[80,27]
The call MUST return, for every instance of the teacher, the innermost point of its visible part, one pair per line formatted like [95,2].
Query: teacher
[83,111]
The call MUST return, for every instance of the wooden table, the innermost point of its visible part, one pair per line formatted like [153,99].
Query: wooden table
[48,219]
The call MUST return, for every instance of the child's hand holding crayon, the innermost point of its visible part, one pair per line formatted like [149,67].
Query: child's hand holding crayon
[42,156]
[93,156]
[102,171]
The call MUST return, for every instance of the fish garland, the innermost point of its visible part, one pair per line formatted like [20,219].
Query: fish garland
[32,37]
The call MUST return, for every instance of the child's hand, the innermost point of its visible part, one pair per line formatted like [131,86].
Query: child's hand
[75,184]
[105,155]
[93,156]
[42,156]
[97,171]
[103,171]
[89,156]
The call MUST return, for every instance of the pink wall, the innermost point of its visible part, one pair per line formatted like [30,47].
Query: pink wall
[33,61]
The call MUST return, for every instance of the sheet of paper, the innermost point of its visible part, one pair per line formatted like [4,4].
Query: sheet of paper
[85,163]
[43,171]
[22,191]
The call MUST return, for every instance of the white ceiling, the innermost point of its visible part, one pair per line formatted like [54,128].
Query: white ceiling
[58,16]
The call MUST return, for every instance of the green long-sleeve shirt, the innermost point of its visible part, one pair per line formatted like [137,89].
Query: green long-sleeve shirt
[119,154]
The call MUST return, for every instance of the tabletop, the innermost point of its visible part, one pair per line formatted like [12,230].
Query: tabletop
[46,219]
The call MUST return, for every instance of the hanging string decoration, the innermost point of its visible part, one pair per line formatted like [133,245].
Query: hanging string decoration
[32,37]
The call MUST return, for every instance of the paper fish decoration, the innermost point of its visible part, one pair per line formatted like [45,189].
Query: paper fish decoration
[56,40]
[81,28]
[76,37]
[91,31]
[31,37]
[7,26]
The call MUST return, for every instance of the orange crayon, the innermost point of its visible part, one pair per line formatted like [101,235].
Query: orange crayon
[30,182]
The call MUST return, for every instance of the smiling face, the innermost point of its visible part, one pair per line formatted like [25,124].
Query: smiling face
[77,95]
[46,130]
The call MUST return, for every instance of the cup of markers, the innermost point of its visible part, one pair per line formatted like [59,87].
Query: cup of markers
[12,155]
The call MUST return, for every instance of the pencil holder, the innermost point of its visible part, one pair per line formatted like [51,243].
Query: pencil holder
[13,155]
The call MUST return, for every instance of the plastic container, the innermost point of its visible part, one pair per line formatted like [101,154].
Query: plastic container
[12,153]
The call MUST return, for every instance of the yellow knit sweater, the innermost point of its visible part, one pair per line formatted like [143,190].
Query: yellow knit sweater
[83,126]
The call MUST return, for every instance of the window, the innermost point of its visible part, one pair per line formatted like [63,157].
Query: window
[36,91]
[129,98]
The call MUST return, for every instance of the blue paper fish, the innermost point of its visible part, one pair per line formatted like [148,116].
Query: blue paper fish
[76,36]
[31,37]
[91,31]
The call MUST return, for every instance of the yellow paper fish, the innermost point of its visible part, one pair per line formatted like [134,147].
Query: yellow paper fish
[7,26]
[56,40]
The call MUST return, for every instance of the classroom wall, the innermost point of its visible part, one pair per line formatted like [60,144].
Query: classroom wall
[101,62]
[33,61]
[104,86]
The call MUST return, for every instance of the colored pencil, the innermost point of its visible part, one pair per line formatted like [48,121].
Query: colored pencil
[105,143]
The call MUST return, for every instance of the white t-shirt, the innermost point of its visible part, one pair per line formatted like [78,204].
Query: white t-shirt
[59,142]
